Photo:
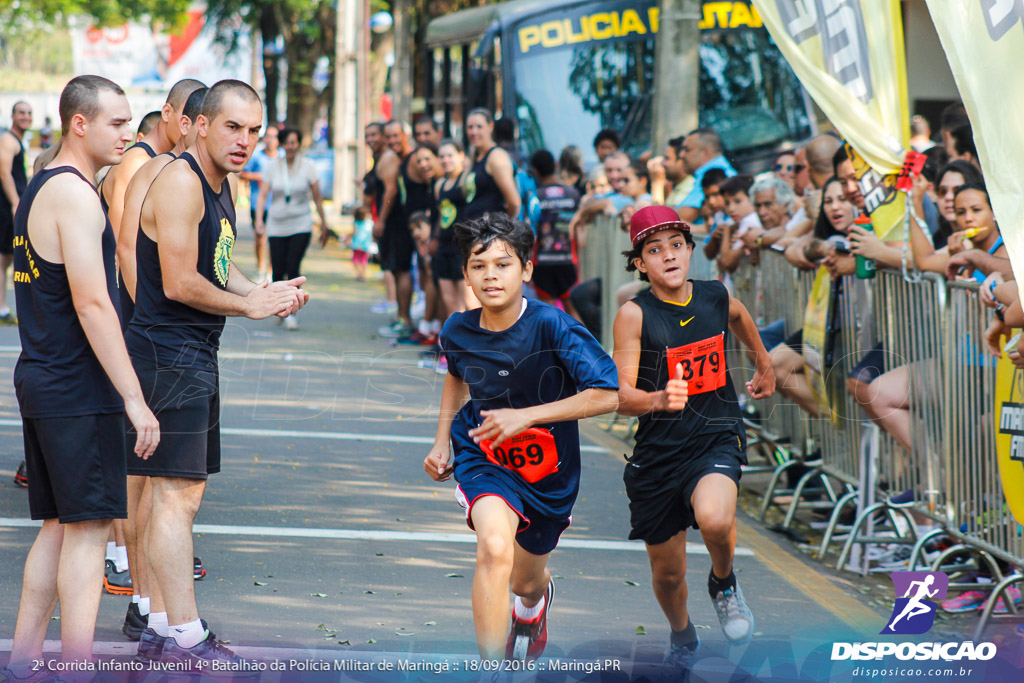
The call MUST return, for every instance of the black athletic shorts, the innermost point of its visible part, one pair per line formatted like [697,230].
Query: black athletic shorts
[399,250]
[186,402]
[554,281]
[660,506]
[6,231]
[76,467]
[447,265]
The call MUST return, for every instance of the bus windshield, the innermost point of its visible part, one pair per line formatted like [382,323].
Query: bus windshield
[567,88]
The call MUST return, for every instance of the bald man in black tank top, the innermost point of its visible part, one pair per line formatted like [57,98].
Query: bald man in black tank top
[186,285]
[74,379]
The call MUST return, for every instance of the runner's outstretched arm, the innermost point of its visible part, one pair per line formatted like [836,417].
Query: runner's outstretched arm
[507,422]
[452,396]
[742,325]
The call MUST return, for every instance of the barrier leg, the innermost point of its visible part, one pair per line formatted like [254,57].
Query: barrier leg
[990,605]
[919,547]
[773,483]
[833,522]
[814,473]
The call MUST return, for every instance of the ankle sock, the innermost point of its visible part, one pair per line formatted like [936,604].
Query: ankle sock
[188,635]
[158,622]
[111,552]
[144,606]
[685,638]
[717,585]
[121,558]
[529,613]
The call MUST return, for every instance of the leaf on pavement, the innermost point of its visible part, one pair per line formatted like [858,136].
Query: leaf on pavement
[640,631]
[454,576]
[371,592]
[344,642]
[631,583]
[404,633]
[319,595]
[259,583]
[430,623]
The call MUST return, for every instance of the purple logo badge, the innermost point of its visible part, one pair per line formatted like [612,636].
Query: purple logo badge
[917,594]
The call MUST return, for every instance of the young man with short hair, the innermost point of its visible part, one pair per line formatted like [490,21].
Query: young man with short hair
[670,346]
[531,372]
[13,180]
[74,379]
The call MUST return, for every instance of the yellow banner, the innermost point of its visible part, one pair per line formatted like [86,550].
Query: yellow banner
[849,56]
[984,43]
[1009,417]
[815,341]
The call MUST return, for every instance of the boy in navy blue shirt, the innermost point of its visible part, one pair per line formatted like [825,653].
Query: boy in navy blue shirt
[670,344]
[531,372]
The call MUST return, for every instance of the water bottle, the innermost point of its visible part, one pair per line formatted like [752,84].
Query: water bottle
[865,266]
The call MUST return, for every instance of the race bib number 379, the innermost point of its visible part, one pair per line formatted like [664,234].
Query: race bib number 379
[703,364]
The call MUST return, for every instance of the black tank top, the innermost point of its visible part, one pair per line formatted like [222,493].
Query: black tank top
[451,204]
[20,182]
[170,332]
[127,304]
[482,192]
[103,200]
[696,336]
[415,196]
[57,374]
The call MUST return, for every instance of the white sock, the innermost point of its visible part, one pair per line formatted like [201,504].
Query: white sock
[121,558]
[158,622]
[5,310]
[529,613]
[135,598]
[435,326]
[111,553]
[188,635]
[144,606]
[424,327]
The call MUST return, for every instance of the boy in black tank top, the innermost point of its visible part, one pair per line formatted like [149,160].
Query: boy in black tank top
[74,380]
[670,344]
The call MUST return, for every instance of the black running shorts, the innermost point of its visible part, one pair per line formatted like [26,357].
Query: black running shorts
[186,402]
[659,503]
[6,230]
[399,249]
[447,265]
[76,467]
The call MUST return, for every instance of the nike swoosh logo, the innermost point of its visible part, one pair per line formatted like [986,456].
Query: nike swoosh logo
[683,323]
[724,467]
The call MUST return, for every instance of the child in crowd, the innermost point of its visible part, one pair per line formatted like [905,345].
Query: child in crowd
[742,218]
[421,227]
[361,242]
[531,372]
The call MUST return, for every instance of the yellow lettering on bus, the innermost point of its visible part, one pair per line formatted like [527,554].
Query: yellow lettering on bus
[716,15]
[755,18]
[631,23]
[581,37]
[601,33]
[740,15]
[551,34]
[615,24]
[528,37]
[652,17]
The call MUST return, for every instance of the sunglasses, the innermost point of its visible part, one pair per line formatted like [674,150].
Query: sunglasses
[789,168]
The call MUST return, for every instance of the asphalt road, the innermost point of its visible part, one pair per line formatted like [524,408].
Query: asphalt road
[324,538]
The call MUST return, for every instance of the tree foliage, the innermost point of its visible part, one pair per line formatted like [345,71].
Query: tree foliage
[30,15]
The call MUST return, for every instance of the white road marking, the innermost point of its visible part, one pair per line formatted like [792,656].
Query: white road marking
[383,535]
[331,436]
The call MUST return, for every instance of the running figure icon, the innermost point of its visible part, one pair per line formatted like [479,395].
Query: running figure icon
[914,606]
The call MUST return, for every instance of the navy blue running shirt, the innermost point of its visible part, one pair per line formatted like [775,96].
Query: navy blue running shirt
[544,357]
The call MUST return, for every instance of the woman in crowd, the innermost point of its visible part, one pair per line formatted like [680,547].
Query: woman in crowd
[416,195]
[292,179]
[451,203]
[490,184]
[570,166]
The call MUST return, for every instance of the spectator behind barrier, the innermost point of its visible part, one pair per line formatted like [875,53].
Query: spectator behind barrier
[963,145]
[713,211]
[605,143]
[947,182]
[742,219]
[785,168]
[702,151]
[774,203]
[570,168]
[953,116]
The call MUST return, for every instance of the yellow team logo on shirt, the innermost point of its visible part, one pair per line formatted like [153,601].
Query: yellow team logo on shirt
[222,254]
[401,190]
[448,212]
[469,186]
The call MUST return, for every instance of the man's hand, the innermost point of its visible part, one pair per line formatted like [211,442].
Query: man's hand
[676,393]
[986,292]
[500,424]
[763,383]
[265,300]
[994,337]
[436,463]
[866,243]
[956,263]
[146,427]
[839,265]
[260,228]
[378,229]
[750,237]
[301,297]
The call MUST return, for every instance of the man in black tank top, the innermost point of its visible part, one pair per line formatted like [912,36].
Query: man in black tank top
[670,346]
[391,229]
[140,494]
[12,185]
[74,379]
[186,285]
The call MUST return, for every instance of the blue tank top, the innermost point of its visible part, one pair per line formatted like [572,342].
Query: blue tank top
[57,374]
[168,332]
[979,276]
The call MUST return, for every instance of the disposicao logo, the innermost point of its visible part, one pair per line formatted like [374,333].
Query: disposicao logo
[917,596]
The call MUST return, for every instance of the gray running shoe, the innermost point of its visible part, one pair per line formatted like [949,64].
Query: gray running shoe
[734,615]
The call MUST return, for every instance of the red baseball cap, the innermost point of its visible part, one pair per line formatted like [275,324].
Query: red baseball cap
[651,219]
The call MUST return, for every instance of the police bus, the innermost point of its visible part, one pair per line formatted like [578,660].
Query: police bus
[564,69]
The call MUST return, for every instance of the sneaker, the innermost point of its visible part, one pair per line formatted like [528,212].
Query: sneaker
[115,582]
[134,622]
[526,639]
[201,658]
[416,338]
[291,324]
[8,318]
[197,569]
[734,615]
[968,601]
[1000,607]
[681,656]
[384,307]
[21,476]
[441,367]
[396,330]
[151,646]
[8,675]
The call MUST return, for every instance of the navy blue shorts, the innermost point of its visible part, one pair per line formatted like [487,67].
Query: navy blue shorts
[537,534]
[870,366]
